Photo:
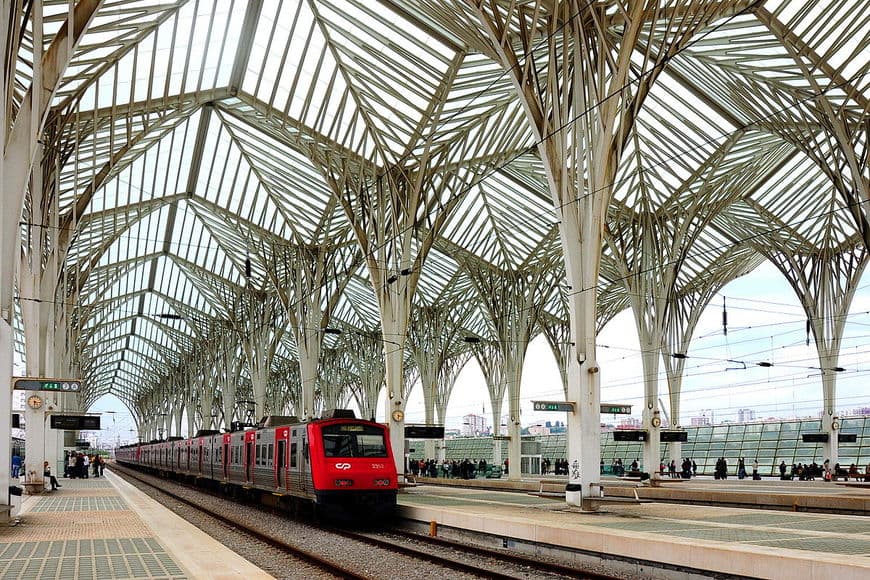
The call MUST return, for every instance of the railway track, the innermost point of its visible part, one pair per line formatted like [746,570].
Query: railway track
[534,568]
[535,565]
[449,556]
[259,535]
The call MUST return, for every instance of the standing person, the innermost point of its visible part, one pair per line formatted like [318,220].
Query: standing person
[86,463]
[16,466]
[755,475]
[782,470]
[694,469]
[741,468]
[96,464]
[80,463]
[102,466]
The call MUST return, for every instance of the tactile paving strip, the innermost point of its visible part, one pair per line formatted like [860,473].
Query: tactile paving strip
[95,483]
[87,560]
[79,503]
[850,546]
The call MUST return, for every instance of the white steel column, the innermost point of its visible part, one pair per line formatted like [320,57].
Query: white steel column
[5,408]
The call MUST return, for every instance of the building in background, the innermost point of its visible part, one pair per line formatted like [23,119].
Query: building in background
[745,415]
[705,419]
[474,425]
[629,423]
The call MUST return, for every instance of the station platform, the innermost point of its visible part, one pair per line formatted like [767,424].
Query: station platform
[648,538]
[104,528]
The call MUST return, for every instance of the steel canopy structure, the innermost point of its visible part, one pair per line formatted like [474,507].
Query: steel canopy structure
[231,208]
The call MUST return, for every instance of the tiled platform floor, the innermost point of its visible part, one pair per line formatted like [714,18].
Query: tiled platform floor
[751,542]
[103,528]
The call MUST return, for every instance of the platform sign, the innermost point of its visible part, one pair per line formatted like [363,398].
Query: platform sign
[673,436]
[424,432]
[847,437]
[615,409]
[814,437]
[630,435]
[37,384]
[75,422]
[553,406]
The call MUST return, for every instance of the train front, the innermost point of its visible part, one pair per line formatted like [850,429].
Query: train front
[352,469]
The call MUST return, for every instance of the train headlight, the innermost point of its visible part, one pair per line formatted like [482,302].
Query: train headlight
[343,482]
[382,482]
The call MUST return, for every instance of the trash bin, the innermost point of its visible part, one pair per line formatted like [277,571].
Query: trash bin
[573,494]
[14,501]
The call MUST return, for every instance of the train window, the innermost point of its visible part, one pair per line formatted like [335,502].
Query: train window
[270,457]
[293,454]
[353,440]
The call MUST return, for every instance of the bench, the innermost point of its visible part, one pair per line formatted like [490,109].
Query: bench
[618,499]
[35,488]
[847,476]
[543,493]
[659,482]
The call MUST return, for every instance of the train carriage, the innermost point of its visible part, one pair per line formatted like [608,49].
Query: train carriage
[340,464]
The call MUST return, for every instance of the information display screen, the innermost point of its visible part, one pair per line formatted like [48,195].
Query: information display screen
[673,436]
[630,435]
[423,432]
[815,437]
[75,422]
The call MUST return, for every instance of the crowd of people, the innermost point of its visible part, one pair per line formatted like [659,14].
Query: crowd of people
[560,468]
[79,465]
[465,469]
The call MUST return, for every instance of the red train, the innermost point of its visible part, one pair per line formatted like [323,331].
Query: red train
[343,466]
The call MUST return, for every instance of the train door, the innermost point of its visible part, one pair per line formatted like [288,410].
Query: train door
[225,456]
[201,448]
[280,456]
[248,456]
[187,467]
[280,459]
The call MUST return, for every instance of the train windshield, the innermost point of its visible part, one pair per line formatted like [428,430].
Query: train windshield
[353,441]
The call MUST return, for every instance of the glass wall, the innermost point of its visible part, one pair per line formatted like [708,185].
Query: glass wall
[770,443]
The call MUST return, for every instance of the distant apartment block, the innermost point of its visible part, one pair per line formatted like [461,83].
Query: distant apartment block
[745,415]
[473,425]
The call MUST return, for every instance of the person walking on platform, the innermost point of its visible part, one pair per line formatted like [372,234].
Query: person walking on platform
[16,466]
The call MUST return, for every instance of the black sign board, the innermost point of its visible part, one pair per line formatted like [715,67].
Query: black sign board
[815,437]
[75,422]
[630,435]
[847,437]
[16,420]
[673,436]
[424,432]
